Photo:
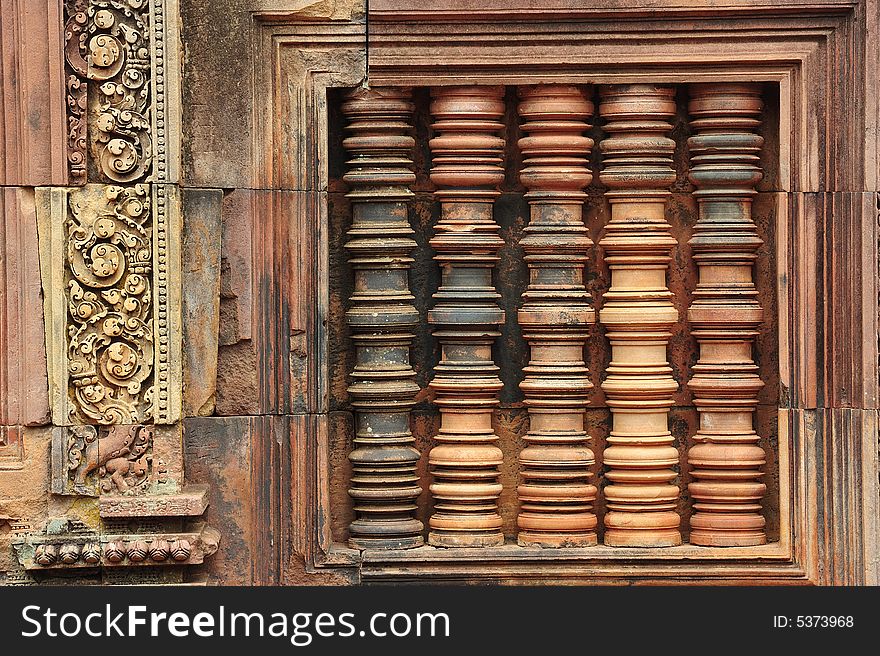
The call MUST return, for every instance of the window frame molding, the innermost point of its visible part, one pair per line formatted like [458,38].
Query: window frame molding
[827,297]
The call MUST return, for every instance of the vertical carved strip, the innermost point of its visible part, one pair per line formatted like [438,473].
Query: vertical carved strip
[467,169]
[638,313]
[384,483]
[726,460]
[556,496]
[75,26]
[97,257]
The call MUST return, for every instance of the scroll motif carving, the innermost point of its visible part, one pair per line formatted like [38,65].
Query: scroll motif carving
[467,168]
[77,96]
[107,42]
[556,495]
[642,495]
[384,483]
[726,461]
[77,89]
[110,333]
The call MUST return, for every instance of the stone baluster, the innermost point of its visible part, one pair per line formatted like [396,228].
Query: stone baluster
[467,168]
[726,461]
[384,484]
[556,496]
[642,494]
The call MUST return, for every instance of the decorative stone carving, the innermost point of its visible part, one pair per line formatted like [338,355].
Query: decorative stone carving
[384,484]
[107,42]
[467,169]
[726,461]
[83,550]
[109,262]
[191,501]
[111,277]
[119,458]
[641,496]
[556,495]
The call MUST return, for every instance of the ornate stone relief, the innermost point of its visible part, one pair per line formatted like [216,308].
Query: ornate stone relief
[111,278]
[92,460]
[109,262]
[107,42]
[69,550]
[121,255]
[110,267]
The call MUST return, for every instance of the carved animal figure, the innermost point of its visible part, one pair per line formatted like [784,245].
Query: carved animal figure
[120,453]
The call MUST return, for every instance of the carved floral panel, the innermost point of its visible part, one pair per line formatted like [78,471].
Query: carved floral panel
[110,332]
[107,50]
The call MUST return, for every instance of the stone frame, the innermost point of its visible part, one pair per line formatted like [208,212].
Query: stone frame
[821,59]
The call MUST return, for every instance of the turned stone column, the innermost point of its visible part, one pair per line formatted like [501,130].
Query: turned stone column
[467,156]
[384,484]
[556,496]
[641,496]
[726,461]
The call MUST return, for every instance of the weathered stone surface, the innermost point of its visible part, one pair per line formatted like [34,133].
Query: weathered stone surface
[33,130]
[219,93]
[201,298]
[237,270]
[191,501]
[237,391]
[23,493]
[24,390]
[218,453]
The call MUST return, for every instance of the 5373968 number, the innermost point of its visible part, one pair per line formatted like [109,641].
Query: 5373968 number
[814,621]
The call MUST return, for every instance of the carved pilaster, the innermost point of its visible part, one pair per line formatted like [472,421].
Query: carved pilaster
[112,323]
[467,169]
[556,496]
[108,44]
[638,313]
[384,483]
[726,461]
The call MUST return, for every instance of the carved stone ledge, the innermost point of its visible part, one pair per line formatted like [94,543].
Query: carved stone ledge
[192,501]
[77,550]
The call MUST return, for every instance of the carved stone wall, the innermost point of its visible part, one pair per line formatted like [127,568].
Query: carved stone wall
[208,374]
[109,229]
